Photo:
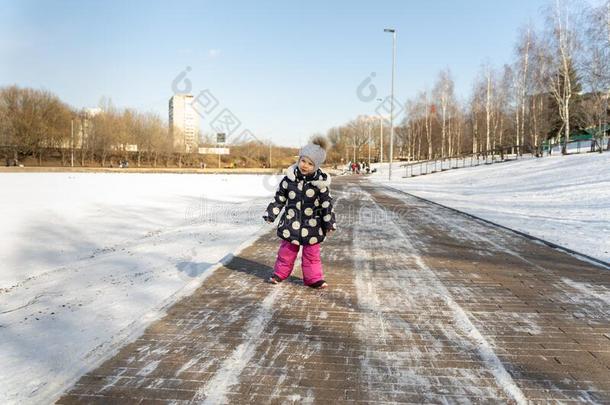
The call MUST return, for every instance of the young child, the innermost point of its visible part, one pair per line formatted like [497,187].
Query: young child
[308,216]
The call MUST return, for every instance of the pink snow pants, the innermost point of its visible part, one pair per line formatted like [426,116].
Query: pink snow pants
[311,263]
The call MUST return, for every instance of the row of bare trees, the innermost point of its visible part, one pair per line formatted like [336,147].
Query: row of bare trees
[36,123]
[557,83]
[31,120]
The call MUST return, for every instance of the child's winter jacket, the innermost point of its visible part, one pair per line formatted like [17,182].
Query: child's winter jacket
[308,213]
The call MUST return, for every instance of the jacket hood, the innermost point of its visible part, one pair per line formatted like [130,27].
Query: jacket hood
[321,178]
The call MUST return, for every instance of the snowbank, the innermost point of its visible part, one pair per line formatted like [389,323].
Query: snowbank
[87,259]
[562,199]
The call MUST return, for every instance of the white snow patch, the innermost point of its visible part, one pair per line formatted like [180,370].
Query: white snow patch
[587,295]
[90,259]
[149,368]
[524,322]
[561,199]
[435,288]
[588,289]
[215,390]
[113,380]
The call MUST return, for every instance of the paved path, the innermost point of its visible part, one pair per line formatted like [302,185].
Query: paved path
[425,305]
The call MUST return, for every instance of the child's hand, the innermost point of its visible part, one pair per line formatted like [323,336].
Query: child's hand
[330,232]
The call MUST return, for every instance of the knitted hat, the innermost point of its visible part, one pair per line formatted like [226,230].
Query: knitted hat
[316,151]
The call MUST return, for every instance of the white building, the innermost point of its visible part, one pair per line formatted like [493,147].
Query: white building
[183,123]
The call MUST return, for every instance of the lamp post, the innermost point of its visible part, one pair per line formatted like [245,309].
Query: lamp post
[380,135]
[71,143]
[381,139]
[393,32]
[369,141]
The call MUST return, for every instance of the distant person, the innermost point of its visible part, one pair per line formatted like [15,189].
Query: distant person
[308,215]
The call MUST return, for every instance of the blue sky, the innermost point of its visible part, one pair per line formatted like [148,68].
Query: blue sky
[286,69]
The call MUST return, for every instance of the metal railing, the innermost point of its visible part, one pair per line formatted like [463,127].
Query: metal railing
[498,155]
[576,146]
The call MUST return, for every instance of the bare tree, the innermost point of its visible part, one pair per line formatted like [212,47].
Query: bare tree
[524,46]
[477,109]
[443,92]
[358,134]
[105,129]
[459,125]
[563,43]
[595,67]
[488,106]
[503,106]
[428,112]
[33,121]
[539,124]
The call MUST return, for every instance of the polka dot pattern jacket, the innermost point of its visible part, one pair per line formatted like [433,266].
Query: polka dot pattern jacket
[308,213]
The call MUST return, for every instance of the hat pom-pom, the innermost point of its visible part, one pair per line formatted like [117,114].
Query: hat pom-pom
[320,141]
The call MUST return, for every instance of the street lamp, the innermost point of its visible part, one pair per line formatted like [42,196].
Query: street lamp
[393,32]
[369,131]
[380,135]
[71,143]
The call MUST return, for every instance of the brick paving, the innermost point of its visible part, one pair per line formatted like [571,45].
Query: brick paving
[425,306]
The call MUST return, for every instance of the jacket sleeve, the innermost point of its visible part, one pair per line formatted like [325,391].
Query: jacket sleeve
[326,210]
[274,208]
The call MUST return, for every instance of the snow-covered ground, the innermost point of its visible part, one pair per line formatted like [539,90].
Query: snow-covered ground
[89,259]
[562,199]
